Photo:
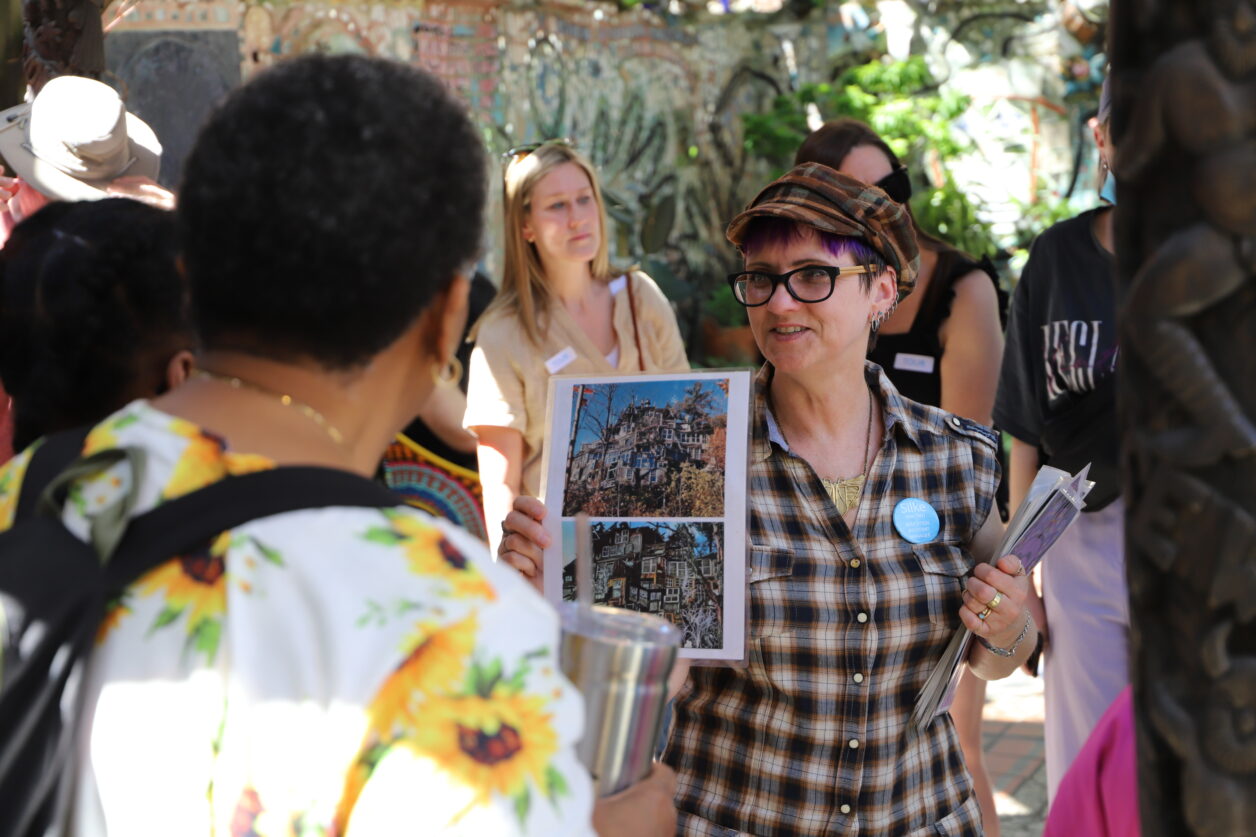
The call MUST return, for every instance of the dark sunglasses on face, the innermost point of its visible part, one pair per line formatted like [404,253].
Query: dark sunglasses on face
[896,184]
[813,283]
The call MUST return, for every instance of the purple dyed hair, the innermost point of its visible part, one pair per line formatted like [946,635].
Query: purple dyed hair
[775,232]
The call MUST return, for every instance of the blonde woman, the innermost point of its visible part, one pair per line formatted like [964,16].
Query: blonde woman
[562,309]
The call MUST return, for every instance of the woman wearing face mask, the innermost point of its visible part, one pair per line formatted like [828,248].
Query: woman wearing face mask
[939,346]
[1057,400]
[561,309]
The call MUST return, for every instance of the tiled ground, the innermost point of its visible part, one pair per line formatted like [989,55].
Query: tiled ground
[1014,754]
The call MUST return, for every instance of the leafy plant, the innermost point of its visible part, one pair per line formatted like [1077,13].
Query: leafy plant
[947,213]
[724,307]
[901,102]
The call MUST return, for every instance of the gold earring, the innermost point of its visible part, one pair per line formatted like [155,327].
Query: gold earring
[449,374]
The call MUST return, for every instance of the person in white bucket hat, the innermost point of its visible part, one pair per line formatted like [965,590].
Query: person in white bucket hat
[76,141]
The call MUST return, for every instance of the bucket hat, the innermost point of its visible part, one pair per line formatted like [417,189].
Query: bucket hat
[74,138]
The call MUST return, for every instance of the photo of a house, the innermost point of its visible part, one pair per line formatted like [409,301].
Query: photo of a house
[670,569]
[657,462]
[648,449]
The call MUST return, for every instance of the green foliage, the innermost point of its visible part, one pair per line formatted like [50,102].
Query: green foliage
[724,307]
[948,214]
[1047,209]
[901,102]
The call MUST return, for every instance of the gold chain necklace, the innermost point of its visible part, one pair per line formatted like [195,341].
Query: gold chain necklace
[845,493]
[284,399]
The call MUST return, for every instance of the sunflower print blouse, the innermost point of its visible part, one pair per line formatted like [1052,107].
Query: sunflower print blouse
[337,671]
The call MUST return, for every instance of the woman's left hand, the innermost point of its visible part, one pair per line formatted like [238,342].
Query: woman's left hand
[1003,588]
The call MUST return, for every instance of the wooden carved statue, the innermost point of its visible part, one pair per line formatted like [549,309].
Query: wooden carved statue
[61,37]
[1185,129]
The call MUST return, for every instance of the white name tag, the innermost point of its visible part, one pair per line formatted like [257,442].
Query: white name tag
[561,360]
[913,363]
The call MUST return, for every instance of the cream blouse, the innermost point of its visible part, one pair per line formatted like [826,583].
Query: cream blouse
[509,381]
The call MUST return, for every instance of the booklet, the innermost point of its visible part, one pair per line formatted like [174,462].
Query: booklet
[1054,500]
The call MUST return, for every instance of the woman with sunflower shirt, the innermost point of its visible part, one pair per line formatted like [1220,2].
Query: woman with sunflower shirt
[333,671]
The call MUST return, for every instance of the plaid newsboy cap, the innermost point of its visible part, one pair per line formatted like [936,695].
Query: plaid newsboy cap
[817,196]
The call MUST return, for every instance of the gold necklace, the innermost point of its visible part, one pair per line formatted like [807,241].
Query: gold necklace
[284,399]
[845,493]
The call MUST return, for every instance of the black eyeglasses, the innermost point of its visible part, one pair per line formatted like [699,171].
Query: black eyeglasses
[511,154]
[813,283]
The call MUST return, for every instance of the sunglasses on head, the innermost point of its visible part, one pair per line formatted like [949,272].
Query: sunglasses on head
[896,184]
[518,152]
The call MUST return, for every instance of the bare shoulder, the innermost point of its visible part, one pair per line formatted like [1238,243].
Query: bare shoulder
[975,310]
[976,290]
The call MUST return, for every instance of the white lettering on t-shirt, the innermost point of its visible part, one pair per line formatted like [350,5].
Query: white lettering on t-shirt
[1071,356]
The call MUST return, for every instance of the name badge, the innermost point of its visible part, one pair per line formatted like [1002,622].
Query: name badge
[916,520]
[913,363]
[560,361]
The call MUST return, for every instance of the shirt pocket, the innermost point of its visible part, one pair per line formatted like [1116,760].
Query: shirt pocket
[944,568]
[769,593]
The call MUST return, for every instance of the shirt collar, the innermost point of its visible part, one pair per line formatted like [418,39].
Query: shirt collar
[767,432]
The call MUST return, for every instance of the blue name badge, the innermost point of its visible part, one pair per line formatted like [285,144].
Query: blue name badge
[916,520]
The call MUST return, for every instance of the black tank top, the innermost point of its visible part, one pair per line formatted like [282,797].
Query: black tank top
[913,359]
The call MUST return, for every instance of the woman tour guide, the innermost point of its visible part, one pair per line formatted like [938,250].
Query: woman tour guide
[849,610]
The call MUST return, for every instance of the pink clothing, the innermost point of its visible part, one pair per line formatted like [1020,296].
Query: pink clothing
[1098,797]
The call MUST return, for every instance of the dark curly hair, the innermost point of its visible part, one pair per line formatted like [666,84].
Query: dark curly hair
[92,308]
[323,206]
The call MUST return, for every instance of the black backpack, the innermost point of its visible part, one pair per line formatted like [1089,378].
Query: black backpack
[54,589]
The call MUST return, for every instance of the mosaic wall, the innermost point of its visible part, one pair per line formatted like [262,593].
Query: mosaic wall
[655,102]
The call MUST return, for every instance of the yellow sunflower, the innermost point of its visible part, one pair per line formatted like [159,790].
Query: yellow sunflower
[193,585]
[11,476]
[431,555]
[199,465]
[105,436]
[246,463]
[492,745]
[435,663]
[114,612]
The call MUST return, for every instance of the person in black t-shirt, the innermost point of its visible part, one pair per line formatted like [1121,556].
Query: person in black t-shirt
[1056,399]
[939,347]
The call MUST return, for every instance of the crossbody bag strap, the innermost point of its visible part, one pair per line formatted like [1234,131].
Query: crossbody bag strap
[632,309]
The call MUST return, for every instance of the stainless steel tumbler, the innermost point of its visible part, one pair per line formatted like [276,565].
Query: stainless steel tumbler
[620,661]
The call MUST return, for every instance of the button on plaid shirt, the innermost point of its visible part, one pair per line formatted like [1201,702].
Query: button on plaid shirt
[813,737]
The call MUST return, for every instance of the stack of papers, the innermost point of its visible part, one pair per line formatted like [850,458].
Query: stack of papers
[1053,503]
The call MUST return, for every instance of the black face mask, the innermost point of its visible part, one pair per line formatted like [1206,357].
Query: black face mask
[896,184]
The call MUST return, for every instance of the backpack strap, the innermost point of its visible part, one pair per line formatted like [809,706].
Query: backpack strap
[52,693]
[158,535]
[53,455]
